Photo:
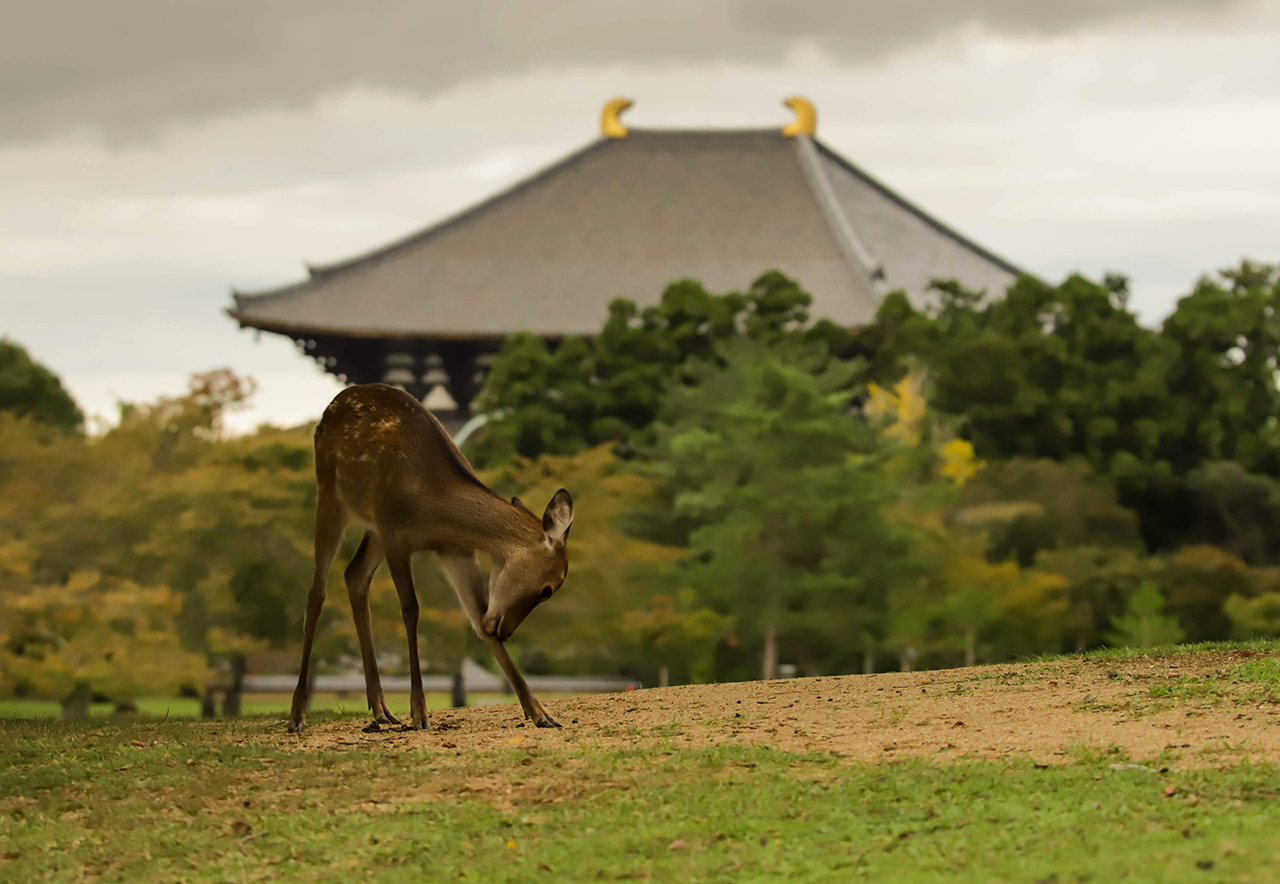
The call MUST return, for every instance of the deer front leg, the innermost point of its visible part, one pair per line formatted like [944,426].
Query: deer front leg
[463,572]
[533,710]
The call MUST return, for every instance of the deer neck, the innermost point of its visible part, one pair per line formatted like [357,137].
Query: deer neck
[494,526]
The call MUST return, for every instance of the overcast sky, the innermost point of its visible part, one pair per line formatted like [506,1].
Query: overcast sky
[155,154]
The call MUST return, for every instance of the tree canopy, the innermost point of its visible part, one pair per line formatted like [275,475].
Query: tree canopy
[28,389]
[967,480]
[544,400]
[1103,454]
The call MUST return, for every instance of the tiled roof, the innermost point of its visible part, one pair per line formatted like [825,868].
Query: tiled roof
[623,218]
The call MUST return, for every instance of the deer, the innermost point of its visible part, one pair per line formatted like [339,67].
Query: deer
[386,463]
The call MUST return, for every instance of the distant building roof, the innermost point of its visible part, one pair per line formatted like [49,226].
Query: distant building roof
[624,217]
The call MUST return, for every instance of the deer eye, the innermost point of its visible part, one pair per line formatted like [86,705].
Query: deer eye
[546,593]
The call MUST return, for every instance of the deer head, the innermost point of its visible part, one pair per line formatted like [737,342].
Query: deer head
[532,573]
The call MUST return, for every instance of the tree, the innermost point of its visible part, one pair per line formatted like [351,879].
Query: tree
[1197,581]
[579,394]
[1067,373]
[1143,626]
[1222,343]
[1254,617]
[93,636]
[777,488]
[165,501]
[1046,371]
[1235,510]
[1028,506]
[1100,580]
[1223,381]
[28,389]
[538,401]
[997,610]
[676,631]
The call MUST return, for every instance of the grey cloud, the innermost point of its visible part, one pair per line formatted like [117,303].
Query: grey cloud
[128,65]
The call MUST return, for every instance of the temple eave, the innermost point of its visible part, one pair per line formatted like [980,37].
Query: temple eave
[418,362]
[397,334]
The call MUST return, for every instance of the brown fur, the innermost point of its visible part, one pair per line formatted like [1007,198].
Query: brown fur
[385,462]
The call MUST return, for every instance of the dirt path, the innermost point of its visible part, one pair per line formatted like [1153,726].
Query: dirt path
[1041,711]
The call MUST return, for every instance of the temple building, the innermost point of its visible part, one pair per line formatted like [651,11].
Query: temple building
[622,217]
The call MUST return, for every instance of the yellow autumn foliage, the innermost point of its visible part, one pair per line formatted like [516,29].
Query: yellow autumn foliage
[115,636]
[903,408]
[902,412]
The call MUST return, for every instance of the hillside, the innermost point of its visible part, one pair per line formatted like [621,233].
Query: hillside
[1205,708]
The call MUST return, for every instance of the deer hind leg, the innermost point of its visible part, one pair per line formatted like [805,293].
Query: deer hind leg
[398,564]
[464,574]
[358,574]
[331,519]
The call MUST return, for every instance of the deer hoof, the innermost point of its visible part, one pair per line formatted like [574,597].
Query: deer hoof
[296,727]
[416,726]
[546,721]
[376,725]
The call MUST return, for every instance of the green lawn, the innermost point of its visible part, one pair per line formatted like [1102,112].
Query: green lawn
[225,802]
[252,704]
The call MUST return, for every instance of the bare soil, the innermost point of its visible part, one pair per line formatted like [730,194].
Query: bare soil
[1046,711]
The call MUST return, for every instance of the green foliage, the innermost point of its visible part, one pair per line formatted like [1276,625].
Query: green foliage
[1222,381]
[1197,581]
[985,478]
[779,492]
[994,610]
[678,631]
[214,532]
[1143,626]
[1066,373]
[1236,510]
[110,636]
[1046,371]
[1253,617]
[28,389]
[564,400]
[1098,436]
[1029,506]
[1100,580]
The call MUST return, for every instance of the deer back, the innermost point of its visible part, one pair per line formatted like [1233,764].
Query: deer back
[393,466]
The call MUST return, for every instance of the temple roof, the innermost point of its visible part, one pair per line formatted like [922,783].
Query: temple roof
[624,217]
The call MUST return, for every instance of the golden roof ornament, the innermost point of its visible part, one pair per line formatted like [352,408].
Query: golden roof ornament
[806,117]
[610,125]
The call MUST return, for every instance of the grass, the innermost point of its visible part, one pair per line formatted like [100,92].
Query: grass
[1254,682]
[1255,645]
[141,798]
[215,802]
[253,704]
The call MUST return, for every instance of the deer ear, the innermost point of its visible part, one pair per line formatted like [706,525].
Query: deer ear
[558,518]
[519,504]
